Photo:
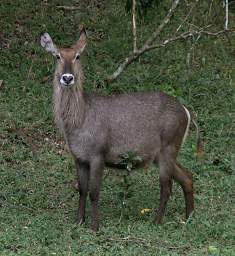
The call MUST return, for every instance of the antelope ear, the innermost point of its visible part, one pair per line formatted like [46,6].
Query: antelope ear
[81,43]
[47,44]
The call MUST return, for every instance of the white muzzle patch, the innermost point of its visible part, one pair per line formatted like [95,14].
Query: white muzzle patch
[67,79]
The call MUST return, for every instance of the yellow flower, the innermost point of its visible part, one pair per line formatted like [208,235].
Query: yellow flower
[213,249]
[145,210]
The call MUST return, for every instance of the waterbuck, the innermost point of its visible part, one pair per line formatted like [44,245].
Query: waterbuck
[100,129]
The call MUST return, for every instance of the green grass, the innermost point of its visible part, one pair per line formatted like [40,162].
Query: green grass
[37,201]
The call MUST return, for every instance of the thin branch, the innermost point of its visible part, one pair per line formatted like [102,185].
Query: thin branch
[187,16]
[186,35]
[121,67]
[200,28]
[159,29]
[210,8]
[68,8]
[191,50]
[134,25]
[209,33]
[149,41]
[171,40]
[131,58]
[144,242]
[226,14]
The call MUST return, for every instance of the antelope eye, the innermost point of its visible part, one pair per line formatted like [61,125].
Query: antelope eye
[77,57]
[58,57]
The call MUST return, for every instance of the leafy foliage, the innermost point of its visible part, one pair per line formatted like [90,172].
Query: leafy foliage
[37,201]
[141,5]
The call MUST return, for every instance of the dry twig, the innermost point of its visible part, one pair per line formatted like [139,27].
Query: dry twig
[226,14]
[68,8]
[144,242]
[146,45]
[131,58]
[187,16]
[134,26]
[149,43]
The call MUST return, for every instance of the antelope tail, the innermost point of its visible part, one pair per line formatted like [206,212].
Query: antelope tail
[200,147]
[188,125]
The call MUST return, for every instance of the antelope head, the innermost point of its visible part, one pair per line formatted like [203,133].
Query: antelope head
[68,59]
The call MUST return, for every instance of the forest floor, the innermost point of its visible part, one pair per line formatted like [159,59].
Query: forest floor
[37,201]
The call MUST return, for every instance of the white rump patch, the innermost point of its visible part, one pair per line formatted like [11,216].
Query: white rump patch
[188,124]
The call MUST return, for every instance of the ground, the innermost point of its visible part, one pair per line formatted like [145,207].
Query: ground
[37,200]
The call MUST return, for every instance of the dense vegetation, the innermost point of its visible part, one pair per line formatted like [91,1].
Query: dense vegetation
[37,200]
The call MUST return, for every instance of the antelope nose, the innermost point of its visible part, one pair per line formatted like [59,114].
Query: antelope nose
[67,79]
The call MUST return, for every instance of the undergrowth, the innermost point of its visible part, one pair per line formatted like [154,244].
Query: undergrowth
[37,200]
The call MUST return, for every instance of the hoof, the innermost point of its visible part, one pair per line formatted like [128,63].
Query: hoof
[189,216]
[80,221]
[157,221]
[75,185]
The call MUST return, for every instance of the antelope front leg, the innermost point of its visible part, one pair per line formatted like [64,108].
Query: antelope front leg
[83,174]
[165,192]
[96,172]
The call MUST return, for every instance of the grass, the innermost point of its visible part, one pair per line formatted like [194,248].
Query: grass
[37,201]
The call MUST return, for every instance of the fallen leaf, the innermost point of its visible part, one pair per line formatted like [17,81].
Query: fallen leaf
[212,249]
[145,210]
